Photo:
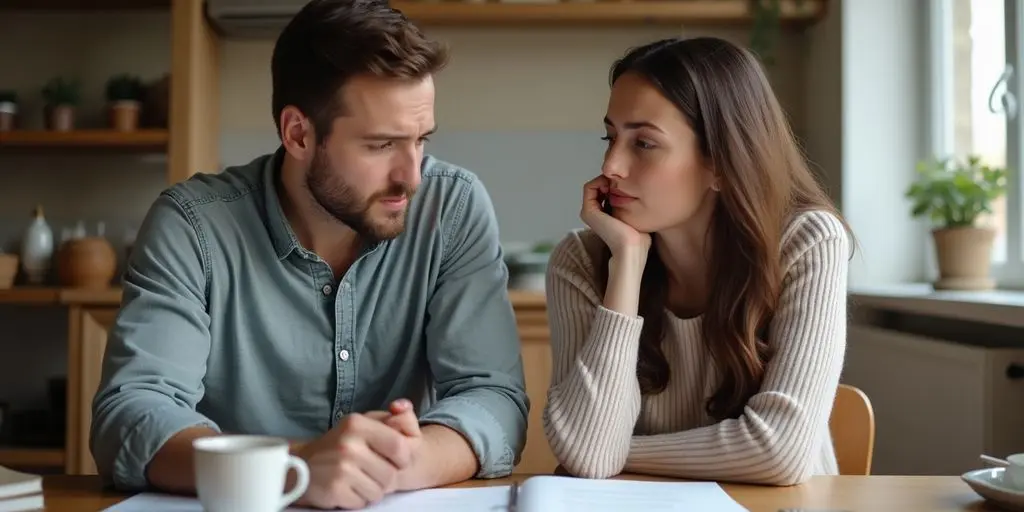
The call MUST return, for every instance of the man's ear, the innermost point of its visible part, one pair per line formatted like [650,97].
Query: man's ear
[297,134]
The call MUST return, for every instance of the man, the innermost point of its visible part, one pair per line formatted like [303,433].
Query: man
[346,292]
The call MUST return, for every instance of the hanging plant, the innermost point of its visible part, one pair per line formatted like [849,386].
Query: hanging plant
[767,26]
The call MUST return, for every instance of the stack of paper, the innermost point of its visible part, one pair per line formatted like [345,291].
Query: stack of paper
[20,492]
[537,494]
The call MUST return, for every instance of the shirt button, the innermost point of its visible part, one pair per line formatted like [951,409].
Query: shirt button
[327,289]
[343,355]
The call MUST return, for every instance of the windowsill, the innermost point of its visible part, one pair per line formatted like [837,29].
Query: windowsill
[997,307]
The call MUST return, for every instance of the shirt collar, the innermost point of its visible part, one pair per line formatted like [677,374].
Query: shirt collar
[281,233]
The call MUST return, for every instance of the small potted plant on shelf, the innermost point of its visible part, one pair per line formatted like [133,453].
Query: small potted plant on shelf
[62,96]
[954,195]
[124,97]
[8,110]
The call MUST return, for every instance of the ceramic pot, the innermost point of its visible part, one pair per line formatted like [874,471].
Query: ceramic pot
[8,269]
[964,257]
[88,262]
[60,118]
[8,116]
[124,115]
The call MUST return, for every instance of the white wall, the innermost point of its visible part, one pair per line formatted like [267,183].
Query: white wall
[522,108]
[884,134]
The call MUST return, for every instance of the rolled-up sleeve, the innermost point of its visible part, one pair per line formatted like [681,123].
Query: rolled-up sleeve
[473,343]
[157,349]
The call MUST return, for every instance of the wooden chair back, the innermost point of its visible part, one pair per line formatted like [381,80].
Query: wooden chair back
[852,425]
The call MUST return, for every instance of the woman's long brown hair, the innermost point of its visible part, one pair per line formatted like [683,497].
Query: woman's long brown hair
[764,180]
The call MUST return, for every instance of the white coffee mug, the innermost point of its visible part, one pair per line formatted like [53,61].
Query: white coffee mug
[238,473]
[1014,475]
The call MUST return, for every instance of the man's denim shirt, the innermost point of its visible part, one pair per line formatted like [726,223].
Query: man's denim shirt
[228,322]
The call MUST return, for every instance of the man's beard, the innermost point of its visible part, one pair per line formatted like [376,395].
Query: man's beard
[342,203]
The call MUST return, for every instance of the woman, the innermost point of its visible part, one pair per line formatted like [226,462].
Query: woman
[698,326]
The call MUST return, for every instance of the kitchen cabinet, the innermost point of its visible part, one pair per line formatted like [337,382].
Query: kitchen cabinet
[87,340]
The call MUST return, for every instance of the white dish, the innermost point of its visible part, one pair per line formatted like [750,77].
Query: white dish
[990,485]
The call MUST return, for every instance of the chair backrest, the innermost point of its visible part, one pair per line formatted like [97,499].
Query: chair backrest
[852,425]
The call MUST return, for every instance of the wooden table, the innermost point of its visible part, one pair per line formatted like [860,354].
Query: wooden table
[840,493]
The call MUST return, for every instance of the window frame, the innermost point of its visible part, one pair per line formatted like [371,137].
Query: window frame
[1009,273]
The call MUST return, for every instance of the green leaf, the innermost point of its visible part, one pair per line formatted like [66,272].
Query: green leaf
[953,192]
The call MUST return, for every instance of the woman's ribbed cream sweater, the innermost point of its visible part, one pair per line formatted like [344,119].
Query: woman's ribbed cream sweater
[599,425]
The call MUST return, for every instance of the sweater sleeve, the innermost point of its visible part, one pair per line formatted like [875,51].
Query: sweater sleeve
[594,398]
[776,438]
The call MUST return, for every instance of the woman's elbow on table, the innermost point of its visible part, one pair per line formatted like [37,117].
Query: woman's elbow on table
[595,468]
[583,459]
[789,470]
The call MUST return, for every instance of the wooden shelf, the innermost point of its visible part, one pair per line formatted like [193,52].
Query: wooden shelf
[569,12]
[42,296]
[137,140]
[47,5]
[30,295]
[31,457]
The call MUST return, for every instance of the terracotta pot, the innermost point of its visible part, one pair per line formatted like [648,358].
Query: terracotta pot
[8,269]
[124,115]
[8,116]
[60,118]
[965,258]
[87,263]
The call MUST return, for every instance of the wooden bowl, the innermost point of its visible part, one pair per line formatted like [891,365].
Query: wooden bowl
[8,269]
[87,263]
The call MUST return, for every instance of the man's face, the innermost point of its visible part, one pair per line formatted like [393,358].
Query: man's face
[367,170]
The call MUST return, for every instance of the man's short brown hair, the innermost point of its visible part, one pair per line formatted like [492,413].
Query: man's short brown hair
[330,41]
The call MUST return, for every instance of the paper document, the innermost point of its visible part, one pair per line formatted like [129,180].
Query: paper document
[489,499]
[536,494]
[558,493]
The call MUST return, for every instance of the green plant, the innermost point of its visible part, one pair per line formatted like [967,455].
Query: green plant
[954,193]
[125,87]
[62,91]
[8,96]
[767,23]
[542,247]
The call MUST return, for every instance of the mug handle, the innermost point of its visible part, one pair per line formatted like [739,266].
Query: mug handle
[301,481]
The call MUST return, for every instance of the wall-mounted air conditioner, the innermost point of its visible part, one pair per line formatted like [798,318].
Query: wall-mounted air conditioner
[251,18]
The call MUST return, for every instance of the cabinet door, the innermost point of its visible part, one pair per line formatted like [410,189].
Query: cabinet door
[536,353]
[86,343]
[928,397]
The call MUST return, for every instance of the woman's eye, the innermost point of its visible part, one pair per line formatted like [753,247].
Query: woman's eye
[644,144]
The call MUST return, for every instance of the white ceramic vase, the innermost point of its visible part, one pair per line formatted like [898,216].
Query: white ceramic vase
[37,249]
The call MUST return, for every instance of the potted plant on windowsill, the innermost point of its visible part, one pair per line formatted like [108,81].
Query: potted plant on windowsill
[61,96]
[953,195]
[8,110]
[124,98]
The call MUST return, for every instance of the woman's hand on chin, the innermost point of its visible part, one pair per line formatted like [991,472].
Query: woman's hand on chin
[620,237]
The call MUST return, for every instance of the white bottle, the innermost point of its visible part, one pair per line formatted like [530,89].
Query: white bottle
[37,249]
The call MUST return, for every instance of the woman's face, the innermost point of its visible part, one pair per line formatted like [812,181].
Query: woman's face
[658,177]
